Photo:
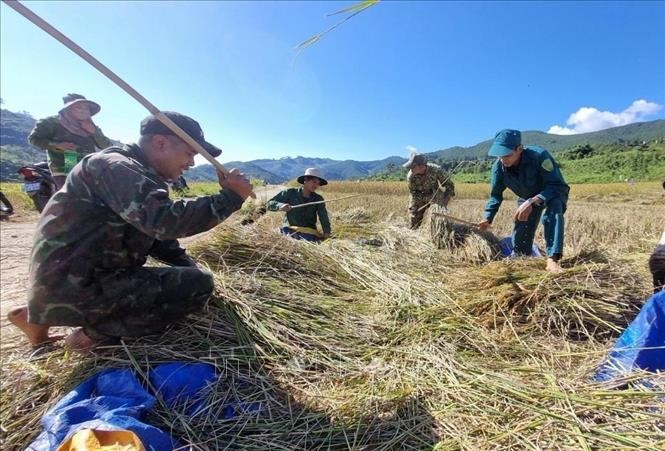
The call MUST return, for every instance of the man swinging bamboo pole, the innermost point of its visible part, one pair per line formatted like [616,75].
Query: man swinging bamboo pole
[95,279]
[71,45]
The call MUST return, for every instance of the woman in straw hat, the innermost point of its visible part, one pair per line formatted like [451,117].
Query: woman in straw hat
[300,223]
[69,136]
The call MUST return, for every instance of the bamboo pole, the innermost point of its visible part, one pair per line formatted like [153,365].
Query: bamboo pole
[323,201]
[452,218]
[71,45]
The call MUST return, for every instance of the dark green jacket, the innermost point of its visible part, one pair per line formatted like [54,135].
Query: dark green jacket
[301,217]
[113,212]
[48,131]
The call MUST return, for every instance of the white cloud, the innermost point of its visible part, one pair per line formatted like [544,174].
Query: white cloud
[589,119]
[411,149]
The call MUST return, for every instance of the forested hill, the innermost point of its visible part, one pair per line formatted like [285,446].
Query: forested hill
[630,151]
[626,134]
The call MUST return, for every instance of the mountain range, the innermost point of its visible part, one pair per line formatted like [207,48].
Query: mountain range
[15,152]
[637,132]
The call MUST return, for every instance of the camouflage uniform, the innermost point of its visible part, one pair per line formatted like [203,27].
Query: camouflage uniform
[96,233]
[422,188]
[48,131]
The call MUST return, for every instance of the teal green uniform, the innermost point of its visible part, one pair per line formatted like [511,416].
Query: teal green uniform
[301,217]
[537,174]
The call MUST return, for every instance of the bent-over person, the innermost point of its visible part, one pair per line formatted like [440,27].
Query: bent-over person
[535,177]
[300,223]
[428,184]
[95,235]
[69,136]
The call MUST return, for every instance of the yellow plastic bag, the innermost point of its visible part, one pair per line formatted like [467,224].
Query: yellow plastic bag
[96,440]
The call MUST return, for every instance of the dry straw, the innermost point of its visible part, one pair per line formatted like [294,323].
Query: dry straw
[378,340]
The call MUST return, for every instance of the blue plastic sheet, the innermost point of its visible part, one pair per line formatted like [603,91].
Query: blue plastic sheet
[641,345]
[115,399]
[508,250]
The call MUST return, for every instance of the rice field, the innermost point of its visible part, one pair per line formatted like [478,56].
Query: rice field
[377,339]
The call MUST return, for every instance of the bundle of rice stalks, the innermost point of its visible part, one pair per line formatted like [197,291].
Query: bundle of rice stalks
[464,241]
[592,300]
[356,215]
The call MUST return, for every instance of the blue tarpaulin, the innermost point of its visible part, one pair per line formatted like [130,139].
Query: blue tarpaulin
[508,250]
[115,399]
[641,345]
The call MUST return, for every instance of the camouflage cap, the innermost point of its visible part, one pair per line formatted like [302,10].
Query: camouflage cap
[414,160]
[151,125]
[71,99]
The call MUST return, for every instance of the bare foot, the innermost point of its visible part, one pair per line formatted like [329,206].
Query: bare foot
[37,333]
[553,266]
[79,341]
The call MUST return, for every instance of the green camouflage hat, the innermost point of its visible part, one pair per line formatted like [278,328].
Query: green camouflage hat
[71,99]
[415,159]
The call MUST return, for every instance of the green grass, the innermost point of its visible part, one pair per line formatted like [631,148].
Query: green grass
[18,198]
[208,188]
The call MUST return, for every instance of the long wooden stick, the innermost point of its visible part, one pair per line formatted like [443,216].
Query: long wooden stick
[452,218]
[323,201]
[71,45]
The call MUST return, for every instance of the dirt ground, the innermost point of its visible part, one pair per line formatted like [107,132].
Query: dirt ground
[16,236]
[15,246]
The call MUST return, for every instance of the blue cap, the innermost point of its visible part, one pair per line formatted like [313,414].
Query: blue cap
[505,142]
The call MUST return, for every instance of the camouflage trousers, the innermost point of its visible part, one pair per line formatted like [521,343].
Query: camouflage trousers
[131,302]
[418,205]
[143,301]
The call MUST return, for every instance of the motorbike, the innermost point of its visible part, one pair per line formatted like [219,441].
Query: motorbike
[38,183]
[6,208]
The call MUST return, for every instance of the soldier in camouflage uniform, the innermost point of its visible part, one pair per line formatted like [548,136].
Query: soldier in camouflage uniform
[96,233]
[69,136]
[428,184]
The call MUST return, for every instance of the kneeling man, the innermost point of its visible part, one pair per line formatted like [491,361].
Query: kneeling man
[95,234]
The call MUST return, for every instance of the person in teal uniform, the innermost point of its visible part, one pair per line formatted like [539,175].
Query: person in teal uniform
[535,177]
[300,222]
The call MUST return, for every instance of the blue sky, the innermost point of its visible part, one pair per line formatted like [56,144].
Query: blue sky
[399,76]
